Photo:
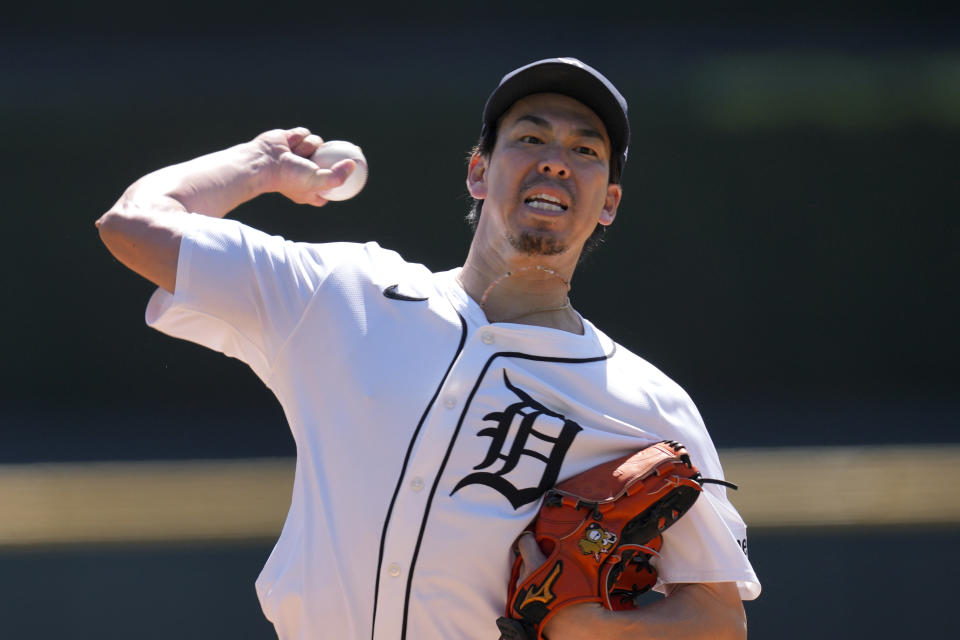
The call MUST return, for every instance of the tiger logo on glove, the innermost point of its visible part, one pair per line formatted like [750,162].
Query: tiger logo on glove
[596,540]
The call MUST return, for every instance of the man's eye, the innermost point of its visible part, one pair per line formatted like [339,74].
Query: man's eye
[530,139]
[587,151]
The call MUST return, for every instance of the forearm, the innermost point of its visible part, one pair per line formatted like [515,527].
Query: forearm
[142,230]
[691,612]
[213,185]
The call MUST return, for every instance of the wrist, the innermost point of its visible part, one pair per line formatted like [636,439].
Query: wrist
[261,161]
[268,154]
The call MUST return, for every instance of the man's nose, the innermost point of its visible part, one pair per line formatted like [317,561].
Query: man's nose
[554,166]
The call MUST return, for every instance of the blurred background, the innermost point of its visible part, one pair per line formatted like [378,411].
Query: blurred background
[786,250]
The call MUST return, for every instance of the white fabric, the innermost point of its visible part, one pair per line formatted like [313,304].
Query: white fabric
[425,406]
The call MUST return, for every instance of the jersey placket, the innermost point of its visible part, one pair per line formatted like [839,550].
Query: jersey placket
[404,540]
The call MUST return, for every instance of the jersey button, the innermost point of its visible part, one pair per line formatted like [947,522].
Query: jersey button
[416,484]
[487,337]
[450,402]
[394,570]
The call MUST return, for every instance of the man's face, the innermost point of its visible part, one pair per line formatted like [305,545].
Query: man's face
[545,185]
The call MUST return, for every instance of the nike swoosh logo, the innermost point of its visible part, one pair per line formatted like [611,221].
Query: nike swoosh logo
[392,293]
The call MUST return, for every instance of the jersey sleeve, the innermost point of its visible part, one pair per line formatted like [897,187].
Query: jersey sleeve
[242,292]
[709,543]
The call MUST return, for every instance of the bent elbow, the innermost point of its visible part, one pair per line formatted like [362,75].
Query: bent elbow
[111,226]
[99,222]
[146,244]
[105,225]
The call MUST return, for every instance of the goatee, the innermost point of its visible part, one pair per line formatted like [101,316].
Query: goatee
[534,244]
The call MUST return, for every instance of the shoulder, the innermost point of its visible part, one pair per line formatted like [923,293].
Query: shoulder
[246,243]
[631,372]
[659,405]
[367,261]
[361,255]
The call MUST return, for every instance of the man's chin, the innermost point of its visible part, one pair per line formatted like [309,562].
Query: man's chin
[537,244]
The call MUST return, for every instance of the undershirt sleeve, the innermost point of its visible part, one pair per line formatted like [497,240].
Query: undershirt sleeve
[241,291]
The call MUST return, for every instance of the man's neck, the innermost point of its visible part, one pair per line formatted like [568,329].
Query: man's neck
[530,290]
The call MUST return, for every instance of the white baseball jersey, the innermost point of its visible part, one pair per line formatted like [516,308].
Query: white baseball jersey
[425,435]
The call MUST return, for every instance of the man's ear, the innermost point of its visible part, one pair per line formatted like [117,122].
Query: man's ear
[609,212]
[477,176]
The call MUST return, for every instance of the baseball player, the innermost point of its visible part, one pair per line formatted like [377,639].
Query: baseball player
[432,411]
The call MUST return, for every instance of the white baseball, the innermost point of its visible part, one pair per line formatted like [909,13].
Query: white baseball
[330,153]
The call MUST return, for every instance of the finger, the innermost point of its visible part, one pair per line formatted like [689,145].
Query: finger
[307,146]
[304,183]
[530,550]
[296,135]
[326,179]
[342,170]
[531,555]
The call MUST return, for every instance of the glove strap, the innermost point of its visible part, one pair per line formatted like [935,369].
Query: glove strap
[511,629]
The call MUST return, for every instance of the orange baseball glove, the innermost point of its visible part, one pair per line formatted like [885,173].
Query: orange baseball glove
[599,530]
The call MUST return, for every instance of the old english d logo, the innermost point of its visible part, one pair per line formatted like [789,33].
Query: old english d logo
[553,428]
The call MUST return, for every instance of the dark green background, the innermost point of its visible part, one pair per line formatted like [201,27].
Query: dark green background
[786,248]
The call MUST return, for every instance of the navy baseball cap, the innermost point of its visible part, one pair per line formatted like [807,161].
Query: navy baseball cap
[569,77]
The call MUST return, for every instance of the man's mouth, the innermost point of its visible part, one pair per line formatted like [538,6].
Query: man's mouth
[545,202]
